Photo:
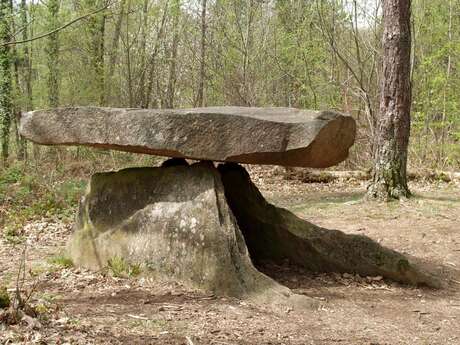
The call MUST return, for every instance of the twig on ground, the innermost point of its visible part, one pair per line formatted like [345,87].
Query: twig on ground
[137,317]
[19,302]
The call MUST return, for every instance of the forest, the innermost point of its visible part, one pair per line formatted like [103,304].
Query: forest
[253,172]
[176,54]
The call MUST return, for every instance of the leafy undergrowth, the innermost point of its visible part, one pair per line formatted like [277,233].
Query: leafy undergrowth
[27,194]
[49,187]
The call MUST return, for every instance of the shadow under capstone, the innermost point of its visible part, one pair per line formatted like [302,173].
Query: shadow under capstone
[278,236]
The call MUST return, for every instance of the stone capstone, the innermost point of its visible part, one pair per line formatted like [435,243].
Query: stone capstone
[274,136]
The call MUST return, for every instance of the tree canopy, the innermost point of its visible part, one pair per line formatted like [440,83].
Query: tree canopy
[307,54]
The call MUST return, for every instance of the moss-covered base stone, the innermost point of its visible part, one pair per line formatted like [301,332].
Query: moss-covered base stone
[174,222]
[199,225]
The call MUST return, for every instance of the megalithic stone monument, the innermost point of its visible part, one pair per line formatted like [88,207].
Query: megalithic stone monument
[202,225]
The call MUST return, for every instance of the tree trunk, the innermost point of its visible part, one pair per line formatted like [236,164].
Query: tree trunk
[152,79]
[141,86]
[200,93]
[171,90]
[247,87]
[20,142]
[114,49]
[99,59]
[446,88]
[32,10]
[96,30]
[390,178]
[52,52]
[6,107]
[27,63]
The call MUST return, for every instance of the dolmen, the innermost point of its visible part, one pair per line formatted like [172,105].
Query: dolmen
[205,224]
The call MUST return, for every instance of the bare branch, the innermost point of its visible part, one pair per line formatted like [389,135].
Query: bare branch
[59,28]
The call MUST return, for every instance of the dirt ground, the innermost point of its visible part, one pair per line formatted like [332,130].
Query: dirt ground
[82,307]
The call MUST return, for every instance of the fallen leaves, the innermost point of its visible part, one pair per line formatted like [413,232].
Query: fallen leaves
[85,307]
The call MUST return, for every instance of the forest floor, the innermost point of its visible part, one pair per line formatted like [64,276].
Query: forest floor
[82,307]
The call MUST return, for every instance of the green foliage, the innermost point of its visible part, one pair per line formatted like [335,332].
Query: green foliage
[69,192]
[307,54]
[52,53]
[12,233]
[26,195]
[302,52]
[120,268]
[4,298]
[436,104]
[11,175]
[61,260]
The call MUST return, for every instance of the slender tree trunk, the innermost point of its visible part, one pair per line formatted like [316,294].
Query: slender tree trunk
[446,88]
[128,59]
[171,89]
[390,178]
[26,67]
[20,142]
[52,50]
[31,11]
[247,74]
[27,62]
[143,54]
[52,56]
[6,107]
[99,63]
[200,93]
[114,49]
[151,80]
[96,30]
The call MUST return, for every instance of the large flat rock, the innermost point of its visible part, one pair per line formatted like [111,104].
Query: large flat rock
[277,136]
